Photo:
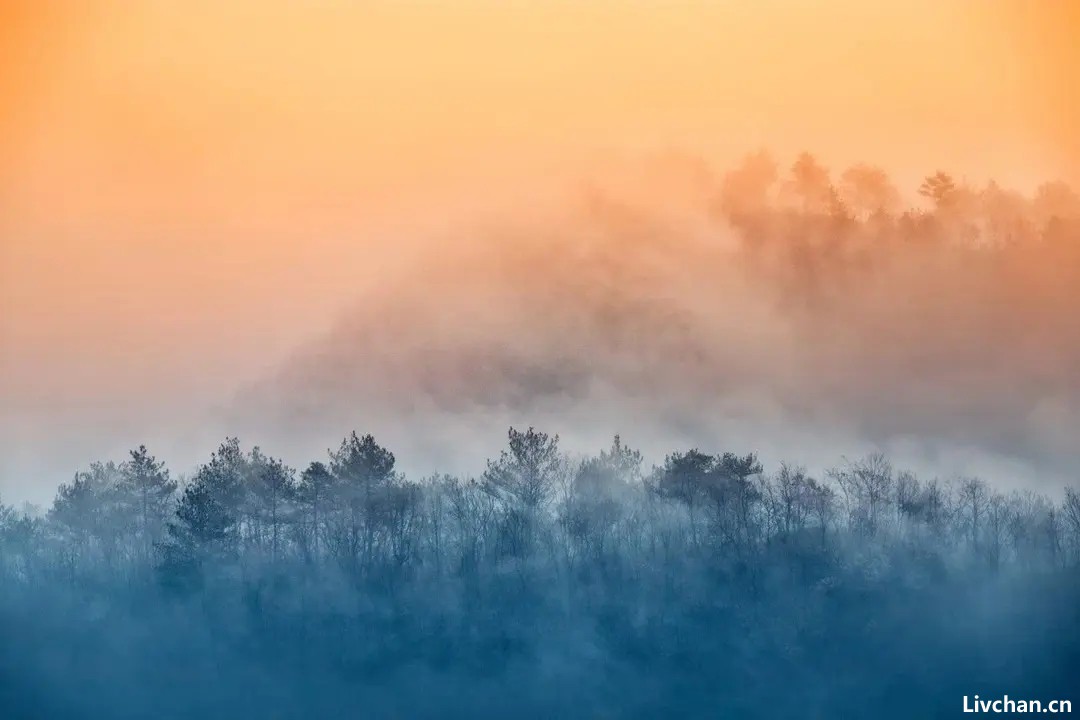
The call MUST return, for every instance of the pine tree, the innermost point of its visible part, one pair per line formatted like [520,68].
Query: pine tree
[147,492]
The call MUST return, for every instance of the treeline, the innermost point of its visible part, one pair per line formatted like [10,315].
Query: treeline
[864,195]
[821,236]
[547,586]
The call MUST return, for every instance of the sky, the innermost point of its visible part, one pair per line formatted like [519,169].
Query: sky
[189,192]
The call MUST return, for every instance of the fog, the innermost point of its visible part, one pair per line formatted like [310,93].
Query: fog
[636,296]
[638,304]
[194,199]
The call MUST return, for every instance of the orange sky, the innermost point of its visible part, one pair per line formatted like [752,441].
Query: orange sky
[187,190]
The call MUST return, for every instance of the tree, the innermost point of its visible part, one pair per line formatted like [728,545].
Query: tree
[683,478]
[20,538]
[744,191]
[270,488]
[996,526]
[224,478]
[787,492]
[598,490]
[7,515]
[523,481]
[821,502]
[87,511]
[734,497]
[683,475]
[207,522]
[402,510]
[609,473]
[525,474]
[867,190]
[810,183]
[867,485]
[940,189]
[7,522]
[79,505]
[198,533]
[148,492]
[974,497]
[363,479]
[1071,518]
[315,492]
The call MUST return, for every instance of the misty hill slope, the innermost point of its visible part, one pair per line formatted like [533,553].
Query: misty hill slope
[794,325]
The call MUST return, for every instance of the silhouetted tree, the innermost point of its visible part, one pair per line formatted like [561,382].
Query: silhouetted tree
[523,480]
[364,482]
[87,510]
[940,189]
[526,473]
[734,498]
[599,488]
[148,494]
[198,534]
[224,479]
[974,497]
[685,477]
[316,492]
[867,486]
[1071,518]
[271,491]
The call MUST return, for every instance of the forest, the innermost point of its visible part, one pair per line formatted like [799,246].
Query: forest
[550,583]
[545,587]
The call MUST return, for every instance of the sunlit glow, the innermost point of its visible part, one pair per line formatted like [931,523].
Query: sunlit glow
[190,190]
